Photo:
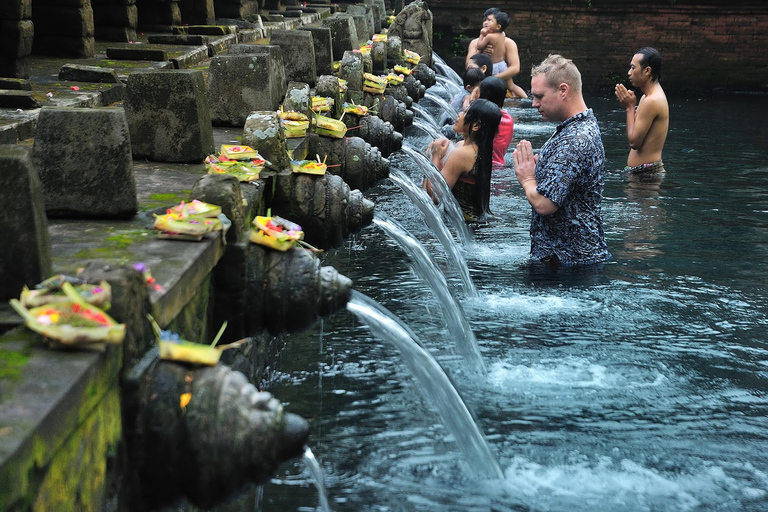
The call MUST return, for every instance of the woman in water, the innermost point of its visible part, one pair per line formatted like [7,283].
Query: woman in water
[467,169]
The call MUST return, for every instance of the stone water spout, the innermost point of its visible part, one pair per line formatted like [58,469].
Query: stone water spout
[360,164]
[375,131]
[202,433]
[288,291]
[324,206]
[394,111]
[425,75]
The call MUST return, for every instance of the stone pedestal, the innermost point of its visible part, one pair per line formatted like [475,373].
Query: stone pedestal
[241,83]
[168,116]
[83,156]
[25,254]
[297,48]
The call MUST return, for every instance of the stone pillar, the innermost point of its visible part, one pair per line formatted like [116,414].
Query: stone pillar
[343,33]
[158,15]
[168,115]
[17,33]
[263,132]
[298,53]
[197,12]
[115,20]
[83,156]
[25,254]
[298,98]
[321,39]
[351,70]
[241,83]
[364,21]
[63,28]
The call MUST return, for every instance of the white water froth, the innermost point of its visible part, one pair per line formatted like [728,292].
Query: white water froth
[608,484]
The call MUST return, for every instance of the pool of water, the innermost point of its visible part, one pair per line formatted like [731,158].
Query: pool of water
[641,386]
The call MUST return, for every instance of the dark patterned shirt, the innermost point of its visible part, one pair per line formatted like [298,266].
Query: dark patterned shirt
[570,173]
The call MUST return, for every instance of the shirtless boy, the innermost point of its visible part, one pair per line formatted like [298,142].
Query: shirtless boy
[647,125]
[503,50]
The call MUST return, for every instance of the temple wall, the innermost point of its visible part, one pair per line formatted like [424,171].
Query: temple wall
[705,44]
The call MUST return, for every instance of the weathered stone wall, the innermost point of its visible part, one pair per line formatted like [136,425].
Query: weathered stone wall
[705,44]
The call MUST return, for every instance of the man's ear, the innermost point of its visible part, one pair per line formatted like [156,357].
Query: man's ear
[562,89]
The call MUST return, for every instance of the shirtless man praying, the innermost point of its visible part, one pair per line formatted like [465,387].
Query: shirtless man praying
[647,125]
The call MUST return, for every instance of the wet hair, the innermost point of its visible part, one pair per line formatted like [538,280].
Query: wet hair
[492,10]
[557,70]
[488,115]
[481,60]
[473,76]
[651,58]
[494,89]
[502,19]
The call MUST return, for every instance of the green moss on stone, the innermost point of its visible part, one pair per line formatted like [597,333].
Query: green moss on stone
[11,364]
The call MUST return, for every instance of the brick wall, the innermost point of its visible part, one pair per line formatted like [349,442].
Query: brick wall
[705,45]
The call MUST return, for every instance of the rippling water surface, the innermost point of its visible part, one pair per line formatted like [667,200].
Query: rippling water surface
[640,386]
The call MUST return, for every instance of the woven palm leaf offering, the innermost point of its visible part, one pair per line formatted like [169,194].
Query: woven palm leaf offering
[172,347]
[393,79]
[189,221]
[374,84]
[411,57]
[50,291]
[295,124]
[275,232]
[310,166]
[74,323]
[330,127]
[321,104]
[404,70]
[354,108]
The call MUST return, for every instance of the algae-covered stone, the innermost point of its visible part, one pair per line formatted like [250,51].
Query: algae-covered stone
[343,33]
[352,70]
[25,255]
[83,157]
[168,115]
[321,39]
[240,84]
[263,132]
[298,54]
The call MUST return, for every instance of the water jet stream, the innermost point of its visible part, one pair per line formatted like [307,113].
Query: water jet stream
[433,380]
[435,222]
[424,265]
[443,193]
[317,472]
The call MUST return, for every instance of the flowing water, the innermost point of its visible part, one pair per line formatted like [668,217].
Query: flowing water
[638,386]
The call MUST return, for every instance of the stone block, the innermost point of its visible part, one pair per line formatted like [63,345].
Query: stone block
[116,15]
[21,99]
[83,73]
[298,52]
[240,84]
[321,39]
[83,157]
[117,34]
[137,53]
[168,116]
[64,46]
[351,70]
[25,254]
[14,68]
[62,21]
[298,98]
[15,84]
[364,21]
[16,10]
[16,38]
[343,33]
[263,132]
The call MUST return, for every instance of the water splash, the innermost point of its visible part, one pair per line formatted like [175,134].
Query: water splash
[424,265]
[433,381]
[445,70]
[435,222]
[317,473]
[425,115]
[427,127]
[452,87]
[446,107]
[443,193]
